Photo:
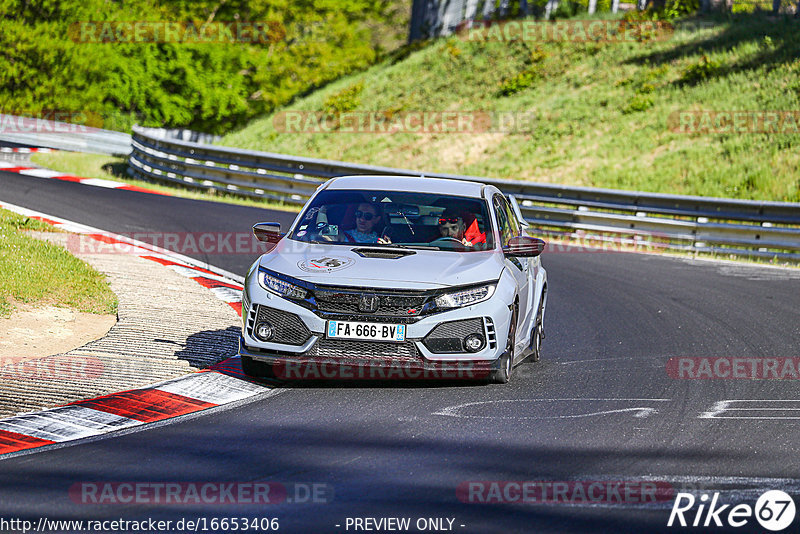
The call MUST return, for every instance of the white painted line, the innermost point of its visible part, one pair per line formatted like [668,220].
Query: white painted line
[212,387]
[638,411]
[7,165]
[728,406]
[42,173]
[99,182]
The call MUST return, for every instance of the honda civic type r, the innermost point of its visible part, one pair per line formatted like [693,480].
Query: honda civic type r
[421,272]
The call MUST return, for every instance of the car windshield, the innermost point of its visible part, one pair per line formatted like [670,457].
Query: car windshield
[396,219]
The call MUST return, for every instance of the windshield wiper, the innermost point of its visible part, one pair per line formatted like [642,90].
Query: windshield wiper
[415,247]
[318,242]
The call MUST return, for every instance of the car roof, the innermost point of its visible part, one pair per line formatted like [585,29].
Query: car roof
[442,186]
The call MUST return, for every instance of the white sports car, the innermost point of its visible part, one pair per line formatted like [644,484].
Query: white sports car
[421,273]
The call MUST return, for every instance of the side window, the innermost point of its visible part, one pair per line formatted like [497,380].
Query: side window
[502,221]
[512,219]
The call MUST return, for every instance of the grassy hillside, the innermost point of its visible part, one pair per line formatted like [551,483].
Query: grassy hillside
[601,110]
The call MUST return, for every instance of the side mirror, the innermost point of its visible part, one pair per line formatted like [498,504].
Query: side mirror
[268,232]
[524,246]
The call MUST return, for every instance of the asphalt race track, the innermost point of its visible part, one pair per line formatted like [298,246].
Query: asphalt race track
[600,406]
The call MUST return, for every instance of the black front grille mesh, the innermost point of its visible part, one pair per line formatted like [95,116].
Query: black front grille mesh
[359,351]
[289,329]
[389,304]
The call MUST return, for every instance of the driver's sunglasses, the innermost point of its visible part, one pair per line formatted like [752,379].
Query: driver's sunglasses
[367,216]
[451,220]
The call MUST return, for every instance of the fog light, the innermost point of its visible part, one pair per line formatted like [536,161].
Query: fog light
[264,331]
[473,342]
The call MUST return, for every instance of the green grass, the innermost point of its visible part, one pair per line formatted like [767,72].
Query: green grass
[113,168]
[601,111]
[36,271]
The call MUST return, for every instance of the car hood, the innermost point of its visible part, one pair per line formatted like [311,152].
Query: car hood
[340,265]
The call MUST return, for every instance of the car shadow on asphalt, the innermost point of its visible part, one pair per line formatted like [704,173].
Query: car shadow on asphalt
[209,347]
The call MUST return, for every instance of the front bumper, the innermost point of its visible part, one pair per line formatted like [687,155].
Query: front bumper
[490,319]
[289,366]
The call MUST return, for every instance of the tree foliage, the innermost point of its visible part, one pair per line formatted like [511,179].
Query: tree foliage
[206,86]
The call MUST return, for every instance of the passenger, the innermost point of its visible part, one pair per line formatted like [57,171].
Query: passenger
[369,217]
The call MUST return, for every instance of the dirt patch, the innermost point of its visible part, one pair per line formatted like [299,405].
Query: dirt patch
[37,331]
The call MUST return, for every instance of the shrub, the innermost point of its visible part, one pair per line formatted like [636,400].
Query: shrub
[452,49]
[638,103]
[520,81]
[345,100]
[702,70]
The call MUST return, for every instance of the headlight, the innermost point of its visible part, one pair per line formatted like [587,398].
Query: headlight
[279,287]
[465,297]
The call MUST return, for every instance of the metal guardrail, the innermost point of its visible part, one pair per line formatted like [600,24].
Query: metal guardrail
[673,221]
[45,132]
[42,132]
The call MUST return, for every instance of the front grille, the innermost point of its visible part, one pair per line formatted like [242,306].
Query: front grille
[289,329]
[447,337]
[390,304]
[360,351]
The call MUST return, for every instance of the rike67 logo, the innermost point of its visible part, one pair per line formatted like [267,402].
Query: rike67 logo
[774,510]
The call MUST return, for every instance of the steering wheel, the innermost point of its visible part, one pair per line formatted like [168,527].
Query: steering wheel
[447,239]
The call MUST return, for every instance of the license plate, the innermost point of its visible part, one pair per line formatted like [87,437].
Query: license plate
[366,331]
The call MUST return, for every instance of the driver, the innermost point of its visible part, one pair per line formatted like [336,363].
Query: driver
[451,224]
[368,219]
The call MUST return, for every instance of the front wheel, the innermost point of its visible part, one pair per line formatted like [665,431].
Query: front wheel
[503,374]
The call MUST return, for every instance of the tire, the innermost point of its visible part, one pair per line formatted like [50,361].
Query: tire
[257,369]
[537,336]
[503,374]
